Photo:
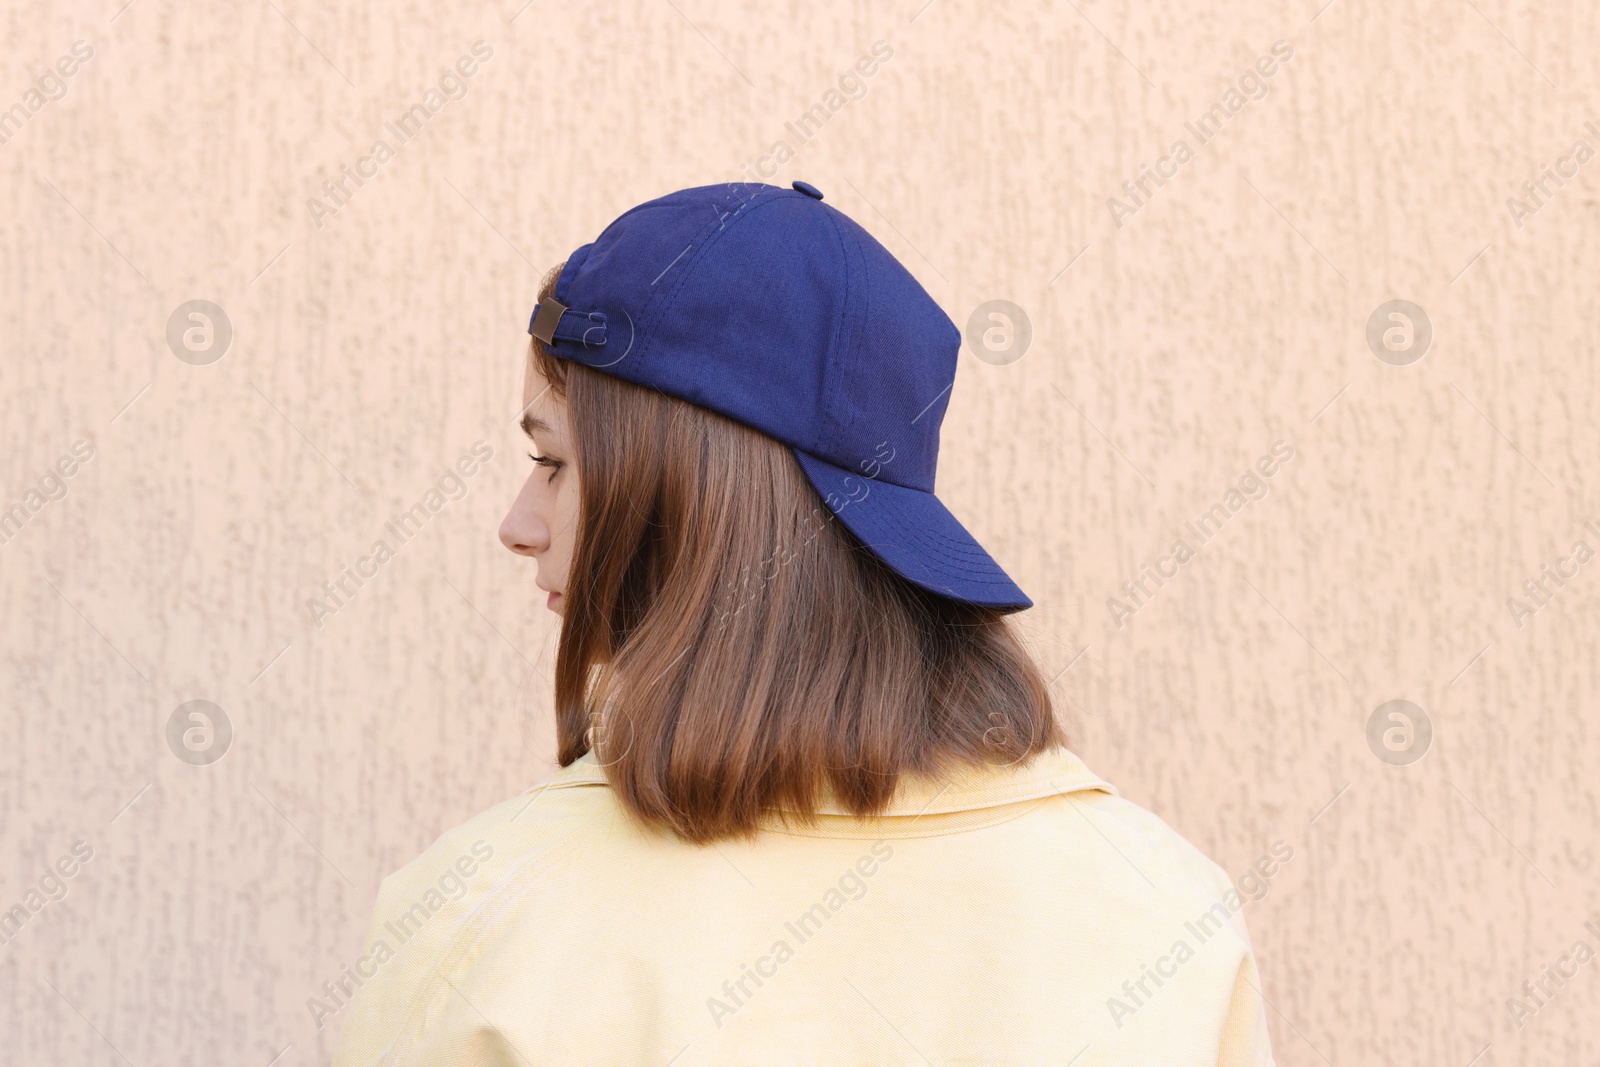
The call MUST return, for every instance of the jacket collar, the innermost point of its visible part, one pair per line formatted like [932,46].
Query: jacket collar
[1050,773]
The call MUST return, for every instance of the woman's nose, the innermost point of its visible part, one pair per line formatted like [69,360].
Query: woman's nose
[522,531]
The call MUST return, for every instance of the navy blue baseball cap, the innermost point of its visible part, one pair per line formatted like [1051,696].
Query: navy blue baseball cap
[780,312]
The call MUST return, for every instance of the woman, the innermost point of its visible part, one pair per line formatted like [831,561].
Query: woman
[814,807]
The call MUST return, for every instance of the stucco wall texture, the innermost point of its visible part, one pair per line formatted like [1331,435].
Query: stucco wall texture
[1432,473]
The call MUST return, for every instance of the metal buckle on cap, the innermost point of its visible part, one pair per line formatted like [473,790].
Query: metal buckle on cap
[546,314]
[553,321]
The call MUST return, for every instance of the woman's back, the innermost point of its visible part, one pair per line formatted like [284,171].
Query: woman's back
[837,821]
[1024,915]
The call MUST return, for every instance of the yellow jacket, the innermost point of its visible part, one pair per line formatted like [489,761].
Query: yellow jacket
[1026,915]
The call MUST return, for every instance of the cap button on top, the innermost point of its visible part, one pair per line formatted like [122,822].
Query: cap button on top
[809,189]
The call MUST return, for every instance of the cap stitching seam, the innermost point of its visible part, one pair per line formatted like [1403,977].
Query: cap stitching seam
[706,240]
[837,358]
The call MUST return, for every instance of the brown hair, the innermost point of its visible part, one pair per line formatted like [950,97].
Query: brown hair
[737,647]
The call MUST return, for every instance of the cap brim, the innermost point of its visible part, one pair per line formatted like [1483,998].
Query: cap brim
[914,534]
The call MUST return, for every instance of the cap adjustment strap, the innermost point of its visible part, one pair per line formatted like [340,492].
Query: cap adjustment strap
[553,321]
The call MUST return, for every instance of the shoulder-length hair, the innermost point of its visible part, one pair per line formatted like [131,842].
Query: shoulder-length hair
[731,650]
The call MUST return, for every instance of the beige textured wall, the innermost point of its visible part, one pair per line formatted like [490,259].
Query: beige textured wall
[1226,312]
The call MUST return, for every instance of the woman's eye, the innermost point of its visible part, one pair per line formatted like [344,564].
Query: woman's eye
[555,465]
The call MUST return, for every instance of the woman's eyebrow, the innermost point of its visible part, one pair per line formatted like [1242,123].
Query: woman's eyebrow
[532,425]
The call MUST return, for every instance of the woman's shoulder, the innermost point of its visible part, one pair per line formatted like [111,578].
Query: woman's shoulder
[1140,832]
[461,862]
[540,815]
[437,908]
